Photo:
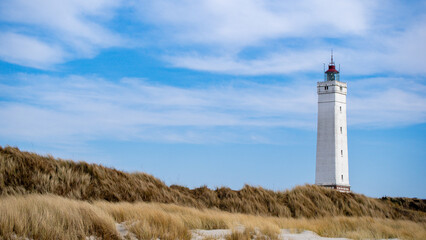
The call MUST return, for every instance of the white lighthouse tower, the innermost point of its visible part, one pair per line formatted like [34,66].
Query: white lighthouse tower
[332,141]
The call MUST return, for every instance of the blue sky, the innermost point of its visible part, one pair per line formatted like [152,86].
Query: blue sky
[216,93]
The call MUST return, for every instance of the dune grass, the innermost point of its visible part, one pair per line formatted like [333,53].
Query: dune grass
[52,217]
[27,173]
[42,197]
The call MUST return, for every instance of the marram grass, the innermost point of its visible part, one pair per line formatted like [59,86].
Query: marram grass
[46,198]
[26,173]
[38,216]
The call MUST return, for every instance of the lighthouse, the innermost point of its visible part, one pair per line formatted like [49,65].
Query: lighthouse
[332,170]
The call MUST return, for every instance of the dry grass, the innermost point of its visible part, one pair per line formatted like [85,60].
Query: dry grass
[26,173]
[181,218]
[252,233]
[358,227]
[246,234]
[53,217]
[147,221]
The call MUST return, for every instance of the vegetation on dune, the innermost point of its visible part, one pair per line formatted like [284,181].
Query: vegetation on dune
[53,217]
[407,203]
[50,216]
[26,173]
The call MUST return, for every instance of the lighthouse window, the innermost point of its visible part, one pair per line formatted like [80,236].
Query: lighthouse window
[341,130]
[326,87]
[340,108]
[341,88]
[341,152]
[342,177]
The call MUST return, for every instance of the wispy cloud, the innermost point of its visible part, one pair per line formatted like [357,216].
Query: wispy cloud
[88,108]
[241,37]
[242,22]
[132,108]
[281,37]
[387,102]
[29,51]
[402,53]
[276,63]
[50,32]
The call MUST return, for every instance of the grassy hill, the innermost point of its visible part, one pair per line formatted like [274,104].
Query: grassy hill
[26,173]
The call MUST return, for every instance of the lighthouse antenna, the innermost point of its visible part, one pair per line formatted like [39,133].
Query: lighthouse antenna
[332,62]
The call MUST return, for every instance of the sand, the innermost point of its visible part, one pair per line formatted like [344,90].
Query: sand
[221,234]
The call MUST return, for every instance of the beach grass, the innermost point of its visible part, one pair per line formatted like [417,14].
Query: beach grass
[42,197]
[26,173]
[53,217]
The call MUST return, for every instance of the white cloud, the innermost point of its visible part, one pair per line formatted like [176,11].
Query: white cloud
[75,28]
[289,37]
[242,37]
[43,108]
[402,52]
[28,51]
[246,22]
[276,63]
[51,108]
[386,102]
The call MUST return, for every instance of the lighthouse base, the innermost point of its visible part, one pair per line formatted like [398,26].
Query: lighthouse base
[339,188]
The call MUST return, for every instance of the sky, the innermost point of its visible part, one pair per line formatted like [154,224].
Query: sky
[217,92]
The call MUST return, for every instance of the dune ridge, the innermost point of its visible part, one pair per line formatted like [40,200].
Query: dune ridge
[27,173]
